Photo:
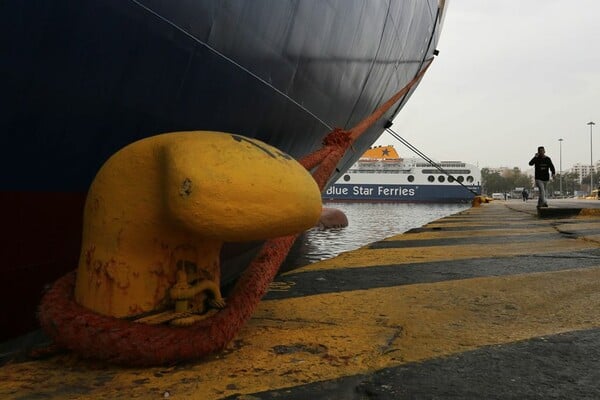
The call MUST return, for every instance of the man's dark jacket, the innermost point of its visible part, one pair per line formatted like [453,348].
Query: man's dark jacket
[542,167]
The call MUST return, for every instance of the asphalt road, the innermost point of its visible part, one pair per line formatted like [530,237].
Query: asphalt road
[490,303]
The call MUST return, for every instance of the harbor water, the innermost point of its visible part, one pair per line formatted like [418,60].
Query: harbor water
[367,223]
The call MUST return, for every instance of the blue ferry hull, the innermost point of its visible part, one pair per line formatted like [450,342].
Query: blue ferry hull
[401,193]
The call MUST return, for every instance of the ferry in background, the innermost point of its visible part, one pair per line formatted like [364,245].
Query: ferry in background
[381,175]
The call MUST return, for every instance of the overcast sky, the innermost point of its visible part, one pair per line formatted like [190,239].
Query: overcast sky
[511,75]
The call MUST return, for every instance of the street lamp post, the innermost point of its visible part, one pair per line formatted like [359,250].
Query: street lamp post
[560,165]
[591,124]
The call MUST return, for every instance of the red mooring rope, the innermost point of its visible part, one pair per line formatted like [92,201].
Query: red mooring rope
[119,341]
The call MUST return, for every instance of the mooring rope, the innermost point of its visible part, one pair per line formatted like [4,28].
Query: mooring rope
[424,157]
[120,341]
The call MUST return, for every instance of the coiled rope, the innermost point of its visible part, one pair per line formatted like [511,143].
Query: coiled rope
[119,341]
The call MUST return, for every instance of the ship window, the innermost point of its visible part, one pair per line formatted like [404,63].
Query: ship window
[460,179]
[441,178]
[346,178]
[430,178]
[470,179]
[411,178]
[450,179]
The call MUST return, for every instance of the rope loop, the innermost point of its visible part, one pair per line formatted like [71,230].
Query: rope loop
[128,343]
[339,138]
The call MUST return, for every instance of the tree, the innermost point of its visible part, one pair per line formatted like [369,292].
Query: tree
[518,179]
[585,182]
[570,184]
[493,182]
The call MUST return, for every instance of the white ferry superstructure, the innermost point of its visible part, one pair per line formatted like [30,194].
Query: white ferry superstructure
[380,175]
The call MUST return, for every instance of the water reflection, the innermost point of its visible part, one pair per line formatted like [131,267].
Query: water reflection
[368,223]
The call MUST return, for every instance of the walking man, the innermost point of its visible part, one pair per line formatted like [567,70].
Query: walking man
[543,167]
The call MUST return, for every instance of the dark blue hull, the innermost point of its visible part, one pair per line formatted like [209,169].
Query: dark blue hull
[84,78]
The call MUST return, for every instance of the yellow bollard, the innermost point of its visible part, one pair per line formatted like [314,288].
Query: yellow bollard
[477,201]
[164,205]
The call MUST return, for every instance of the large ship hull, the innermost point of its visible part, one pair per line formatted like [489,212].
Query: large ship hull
[82,79]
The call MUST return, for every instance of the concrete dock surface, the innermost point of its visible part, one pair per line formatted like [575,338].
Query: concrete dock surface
[499,301]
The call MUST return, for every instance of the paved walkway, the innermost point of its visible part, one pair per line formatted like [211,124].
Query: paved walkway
[495,302]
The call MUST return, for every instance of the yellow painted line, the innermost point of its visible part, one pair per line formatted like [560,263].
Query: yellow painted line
[474,224]
[590,212]
[592,238]
[300,340]
[367,257]
[580,224]
[442,234]
[489,220]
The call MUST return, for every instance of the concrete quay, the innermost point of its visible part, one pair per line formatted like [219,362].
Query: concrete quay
[496,302]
